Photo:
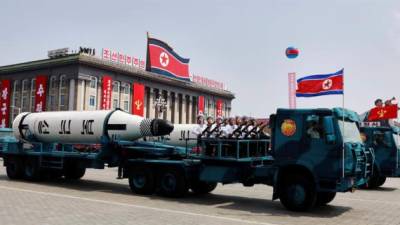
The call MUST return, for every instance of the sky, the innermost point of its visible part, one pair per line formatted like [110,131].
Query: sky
[241,43]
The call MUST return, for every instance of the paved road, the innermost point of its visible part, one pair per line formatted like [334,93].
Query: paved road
[101,199]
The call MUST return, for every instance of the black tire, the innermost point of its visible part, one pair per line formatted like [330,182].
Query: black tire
[297,193]
[172,183]
[201,187]
[14,168]
[74,172]
[381,181]
[323,198]
[32,170]
[141,181]
[375,181]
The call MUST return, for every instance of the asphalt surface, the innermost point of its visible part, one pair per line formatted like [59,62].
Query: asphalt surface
[99,198]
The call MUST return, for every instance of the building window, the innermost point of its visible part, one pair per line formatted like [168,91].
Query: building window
[15,100]
[93,82]
[63,93]
[126,106]
[52,102]
[52,99]
[25,85]
[63,81]
[92,100]
[25,96]
[125,89]
[62,100]
[115,86]
[53,82]
[115,103]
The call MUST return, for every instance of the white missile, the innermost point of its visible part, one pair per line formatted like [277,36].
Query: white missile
[183,135]
[86,126]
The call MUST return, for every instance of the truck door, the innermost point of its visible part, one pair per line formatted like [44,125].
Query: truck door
[316,150]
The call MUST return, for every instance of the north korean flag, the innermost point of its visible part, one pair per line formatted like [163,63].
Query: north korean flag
[317,85]
[162,59]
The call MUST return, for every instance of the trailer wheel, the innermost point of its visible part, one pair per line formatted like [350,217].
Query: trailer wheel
[32,169]
[14,168]
[201,187]
[172,183]
[323,198]
[74,172]
[141,181]
[297,193]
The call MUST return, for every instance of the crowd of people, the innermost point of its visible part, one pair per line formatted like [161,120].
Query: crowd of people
[228,128]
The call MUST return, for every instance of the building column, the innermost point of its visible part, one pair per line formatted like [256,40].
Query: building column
[176,107]
[80,96]
[190,110]
[71,96]
[151,105]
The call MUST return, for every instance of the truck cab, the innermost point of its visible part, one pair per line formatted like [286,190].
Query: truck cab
[386,146]
[318,152]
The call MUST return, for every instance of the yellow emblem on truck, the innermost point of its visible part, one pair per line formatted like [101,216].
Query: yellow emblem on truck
[288,127]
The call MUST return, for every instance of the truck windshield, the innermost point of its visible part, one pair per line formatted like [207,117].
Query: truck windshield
[349,131]
[396,138]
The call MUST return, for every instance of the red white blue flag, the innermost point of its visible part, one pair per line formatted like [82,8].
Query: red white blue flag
[162,59]
[317,85]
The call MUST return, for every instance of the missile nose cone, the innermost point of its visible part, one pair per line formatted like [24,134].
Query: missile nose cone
[161,127]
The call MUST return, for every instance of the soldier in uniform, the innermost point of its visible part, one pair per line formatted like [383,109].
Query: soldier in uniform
[201,126]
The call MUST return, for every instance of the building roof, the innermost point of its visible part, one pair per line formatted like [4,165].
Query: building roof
[112,66]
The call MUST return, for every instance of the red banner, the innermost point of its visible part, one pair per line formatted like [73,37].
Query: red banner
[5,89]
[383,113]
[106,93]
[40,97]
[201,105]
[138,99]
[218,107]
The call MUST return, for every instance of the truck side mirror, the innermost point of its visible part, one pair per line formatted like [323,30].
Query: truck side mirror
[330,136]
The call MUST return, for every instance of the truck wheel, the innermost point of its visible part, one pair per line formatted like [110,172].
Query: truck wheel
[14,168]
[323,198]
[172,183]
[74,173]
[32,170]
[141,181]
[381,181]
[297,193]
[374,181]
[201,187]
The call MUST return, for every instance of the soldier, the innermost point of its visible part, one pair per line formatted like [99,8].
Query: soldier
[216,127]
[199,130]
[229,128]
[209,127]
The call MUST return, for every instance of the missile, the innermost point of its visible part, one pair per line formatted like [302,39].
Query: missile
[181,136]
[86,127]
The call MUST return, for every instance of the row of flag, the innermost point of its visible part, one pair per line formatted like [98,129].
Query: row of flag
[162,59]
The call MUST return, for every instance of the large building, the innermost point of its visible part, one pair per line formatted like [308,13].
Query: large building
[75,82]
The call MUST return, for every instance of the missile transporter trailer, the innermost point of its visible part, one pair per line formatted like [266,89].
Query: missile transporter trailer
[303,169]
[385,142]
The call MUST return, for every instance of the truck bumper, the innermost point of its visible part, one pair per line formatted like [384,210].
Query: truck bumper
[346,184]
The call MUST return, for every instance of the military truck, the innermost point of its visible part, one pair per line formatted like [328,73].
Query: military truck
[385,142]
[311,155]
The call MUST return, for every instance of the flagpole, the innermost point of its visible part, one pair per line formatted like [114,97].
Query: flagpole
[343,124]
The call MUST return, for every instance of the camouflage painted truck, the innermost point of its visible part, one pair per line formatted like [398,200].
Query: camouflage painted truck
[304,171]
[385,142]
